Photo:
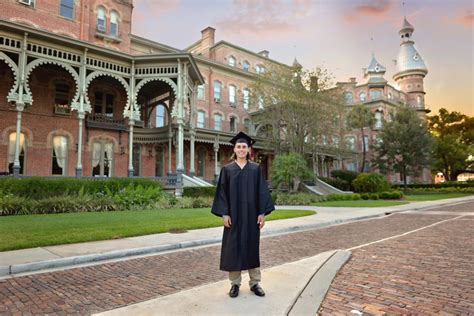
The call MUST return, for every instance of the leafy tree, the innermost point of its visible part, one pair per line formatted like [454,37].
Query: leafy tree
[290,169]
[404,144]
[453,142]
[370,182]
[361,117]
[297,108]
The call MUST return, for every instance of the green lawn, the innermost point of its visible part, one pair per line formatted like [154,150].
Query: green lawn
[429,196]
[360,203]
[28,231]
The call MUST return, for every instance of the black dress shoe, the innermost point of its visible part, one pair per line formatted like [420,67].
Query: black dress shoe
[234,291]
[257,290]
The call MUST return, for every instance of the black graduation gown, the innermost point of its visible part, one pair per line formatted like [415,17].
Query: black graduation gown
[243,195]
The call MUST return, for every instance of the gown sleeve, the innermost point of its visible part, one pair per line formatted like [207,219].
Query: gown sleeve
[220,205]
[265,203]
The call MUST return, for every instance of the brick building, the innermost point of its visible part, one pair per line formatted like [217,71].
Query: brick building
[88,98]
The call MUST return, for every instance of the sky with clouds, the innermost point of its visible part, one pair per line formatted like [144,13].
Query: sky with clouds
[339,35]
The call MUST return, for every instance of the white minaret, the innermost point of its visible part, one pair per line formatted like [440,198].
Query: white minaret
[374,73]
[411,69]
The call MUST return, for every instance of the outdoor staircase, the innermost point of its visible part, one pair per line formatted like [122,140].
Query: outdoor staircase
[323,188]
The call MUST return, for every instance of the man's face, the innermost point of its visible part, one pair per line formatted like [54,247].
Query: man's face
[241,150]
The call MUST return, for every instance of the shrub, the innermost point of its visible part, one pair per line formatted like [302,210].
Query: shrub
[364,196]
[370,182]
[337,183]
[342,197]
[345,175]
[199,191]
[39,188]
[391,195]
[373,196]
[297,199]
[136,197]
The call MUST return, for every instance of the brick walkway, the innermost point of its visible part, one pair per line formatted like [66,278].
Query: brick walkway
[107,286]
[426,272]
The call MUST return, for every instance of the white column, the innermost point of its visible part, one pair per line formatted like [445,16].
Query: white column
[191,152]
[131,121]
[81,113]
[20,106]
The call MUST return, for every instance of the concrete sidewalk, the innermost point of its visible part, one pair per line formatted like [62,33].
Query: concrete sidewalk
[285,286]
[36,259]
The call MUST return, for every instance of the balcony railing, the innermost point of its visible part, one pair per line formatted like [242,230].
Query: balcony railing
[102,121]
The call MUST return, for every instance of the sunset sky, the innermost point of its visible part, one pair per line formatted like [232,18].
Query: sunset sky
[337,35]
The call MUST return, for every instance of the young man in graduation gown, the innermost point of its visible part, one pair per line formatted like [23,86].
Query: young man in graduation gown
[242,200]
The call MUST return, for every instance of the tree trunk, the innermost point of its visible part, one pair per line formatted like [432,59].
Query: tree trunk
[363,151]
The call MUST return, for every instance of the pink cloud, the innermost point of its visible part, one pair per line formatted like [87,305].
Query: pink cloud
[264,17]
[467,19]
[372,8]
[151,10]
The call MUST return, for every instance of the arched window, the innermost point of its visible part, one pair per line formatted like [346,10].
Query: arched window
[259,69]
[375,95]
[233,124]
[419,100]
[261,103]
[60,155]
[350,141]
[201,169]
[114,24]
[62,100]
[247,125]
[102,158]
[11,152]
[66,9]
[246,98]
[201,119]
[378,120]
[232,61]
[362,96]
[218,122]
[246,65]
[217,91]
[200,91]
[348,97]
[232,98]
[101,21]
[160,115]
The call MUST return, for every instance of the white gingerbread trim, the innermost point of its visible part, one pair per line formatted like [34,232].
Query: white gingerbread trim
[38,62]
[12,96]
[97,74]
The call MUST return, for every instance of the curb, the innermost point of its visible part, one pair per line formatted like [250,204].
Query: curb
[313,294]
[117,254]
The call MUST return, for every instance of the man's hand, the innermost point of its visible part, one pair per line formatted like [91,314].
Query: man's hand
[261,221]
[227,221]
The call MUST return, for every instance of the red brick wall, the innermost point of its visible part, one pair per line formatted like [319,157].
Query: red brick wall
[45,15]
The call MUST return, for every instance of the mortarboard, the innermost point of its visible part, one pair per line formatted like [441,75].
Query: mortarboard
[241,137]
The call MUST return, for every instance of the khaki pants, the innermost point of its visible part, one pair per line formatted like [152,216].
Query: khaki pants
[235,277]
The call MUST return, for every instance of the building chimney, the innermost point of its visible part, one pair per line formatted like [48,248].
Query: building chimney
[207,37]
[264,53]
[352,80]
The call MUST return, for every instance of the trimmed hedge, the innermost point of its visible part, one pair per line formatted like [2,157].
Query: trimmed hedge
[448,184]
[346,175]
[337,183]
[370,183]
[40,188]
[199,191]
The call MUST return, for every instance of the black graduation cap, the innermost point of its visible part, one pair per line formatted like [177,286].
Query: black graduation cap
[241,137]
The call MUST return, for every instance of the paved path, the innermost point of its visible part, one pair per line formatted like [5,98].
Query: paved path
[430,271]
[117,284]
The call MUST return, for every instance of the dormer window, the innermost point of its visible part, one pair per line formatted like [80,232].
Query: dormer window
[66,9]
[232,61]
[114,23]
[101,21]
